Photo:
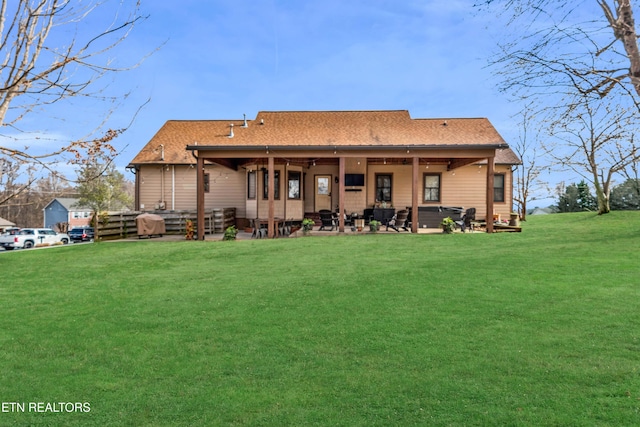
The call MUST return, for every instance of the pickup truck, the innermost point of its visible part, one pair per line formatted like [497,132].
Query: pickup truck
[30,237]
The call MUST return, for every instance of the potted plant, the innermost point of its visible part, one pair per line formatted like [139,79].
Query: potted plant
[307,225]
[189,230]
[374,225]
[230,233]
[447,225]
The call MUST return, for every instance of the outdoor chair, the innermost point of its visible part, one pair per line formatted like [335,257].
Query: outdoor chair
[258,231]
[328,220]
[467,218]
[399,220]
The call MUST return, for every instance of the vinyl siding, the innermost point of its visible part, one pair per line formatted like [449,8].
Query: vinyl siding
[176,187]
[464,188]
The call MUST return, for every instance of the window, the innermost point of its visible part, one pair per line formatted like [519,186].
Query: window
[498,188]
[276,179]
[294,185]
[431,187]
[251,185]
[383,188]
[206,182]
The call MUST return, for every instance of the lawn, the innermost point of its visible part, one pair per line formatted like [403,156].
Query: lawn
[534,328]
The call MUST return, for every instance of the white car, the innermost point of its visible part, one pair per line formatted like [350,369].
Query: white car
[30,237]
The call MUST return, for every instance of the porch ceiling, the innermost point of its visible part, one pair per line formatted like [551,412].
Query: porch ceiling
[236,157]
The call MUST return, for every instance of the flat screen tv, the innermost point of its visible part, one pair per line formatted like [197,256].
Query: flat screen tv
[354,180]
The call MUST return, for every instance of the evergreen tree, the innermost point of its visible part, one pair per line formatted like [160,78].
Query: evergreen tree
[626,196]
[577,198]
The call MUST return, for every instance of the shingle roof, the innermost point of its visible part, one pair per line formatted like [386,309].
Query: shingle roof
[70,204]
[317,128]
[6,223]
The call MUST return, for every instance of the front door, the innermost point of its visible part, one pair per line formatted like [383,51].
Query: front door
[323,192]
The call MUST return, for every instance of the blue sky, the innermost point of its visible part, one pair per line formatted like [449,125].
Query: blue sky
[220,59]
[228,57]
[225,58]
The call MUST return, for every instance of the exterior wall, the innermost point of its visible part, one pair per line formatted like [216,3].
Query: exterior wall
[79,219]
[354,201]
[463,187]
[283,207]
[55,213]
[174,187]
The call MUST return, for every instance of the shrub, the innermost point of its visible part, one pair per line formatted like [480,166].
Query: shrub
[230,233]
[307,225]
[447,225]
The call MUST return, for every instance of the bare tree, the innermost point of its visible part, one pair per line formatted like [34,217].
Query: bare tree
[558,46]
[55,53]
[580,61]
[528,183]
[596,140]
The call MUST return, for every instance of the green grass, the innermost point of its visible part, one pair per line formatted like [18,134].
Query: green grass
[534,328]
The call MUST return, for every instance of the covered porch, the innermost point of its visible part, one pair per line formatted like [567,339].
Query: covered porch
[407,165]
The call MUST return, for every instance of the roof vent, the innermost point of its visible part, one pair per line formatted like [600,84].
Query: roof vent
[445,123]
[231,131]
[245,125]
[261,121]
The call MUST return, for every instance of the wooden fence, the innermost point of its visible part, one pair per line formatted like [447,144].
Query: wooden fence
[123,224]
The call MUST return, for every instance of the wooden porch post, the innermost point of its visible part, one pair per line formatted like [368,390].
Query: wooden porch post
[490,172]
[271,186]
[415,190]
[341,196]
[200,197]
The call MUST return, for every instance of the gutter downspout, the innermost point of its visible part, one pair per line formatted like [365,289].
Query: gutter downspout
[173,187]
[199,195]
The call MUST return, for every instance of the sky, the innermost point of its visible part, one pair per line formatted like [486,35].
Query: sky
[223,59]
[220,59]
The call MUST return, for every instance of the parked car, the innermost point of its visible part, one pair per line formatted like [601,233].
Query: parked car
[30,237]
[81,234]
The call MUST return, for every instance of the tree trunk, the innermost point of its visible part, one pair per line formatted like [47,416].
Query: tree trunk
[603,199]
[627,32]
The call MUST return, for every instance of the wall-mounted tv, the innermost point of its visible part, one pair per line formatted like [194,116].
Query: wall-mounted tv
[354,180]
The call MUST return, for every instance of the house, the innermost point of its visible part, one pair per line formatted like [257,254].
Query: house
[288,164]
[65,210]
[5,223]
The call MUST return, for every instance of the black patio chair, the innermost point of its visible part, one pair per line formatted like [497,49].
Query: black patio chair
[328,220]
[399,220]
[467,218]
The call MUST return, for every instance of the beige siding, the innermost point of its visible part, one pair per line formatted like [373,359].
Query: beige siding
[354,201]
[283,207]
[175,186]
[465,187]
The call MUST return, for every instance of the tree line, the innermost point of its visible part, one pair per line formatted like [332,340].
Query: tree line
[578,197]
[99,186]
